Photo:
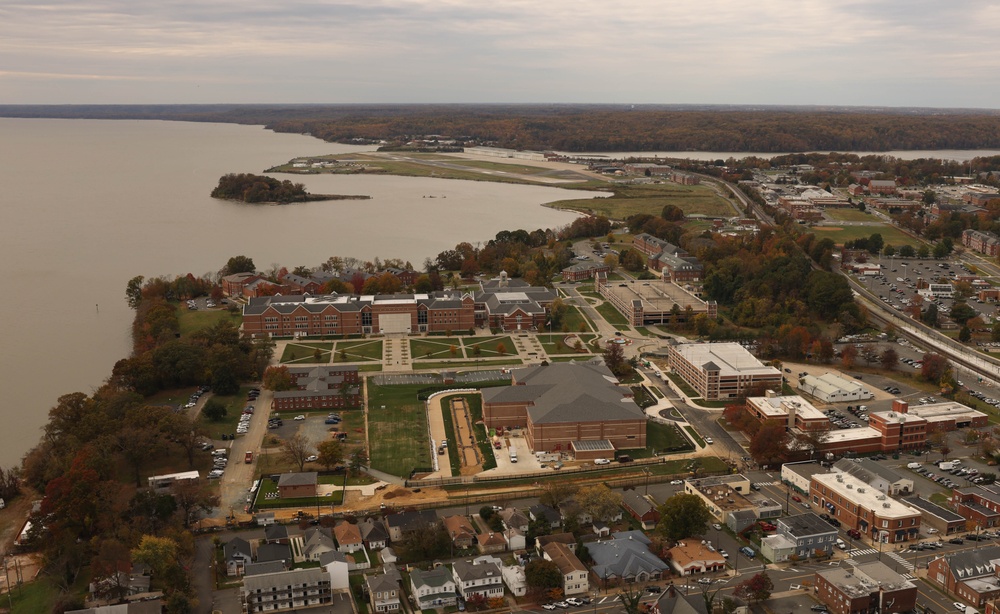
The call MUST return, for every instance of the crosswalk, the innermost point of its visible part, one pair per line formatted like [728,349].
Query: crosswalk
[902,562]
[862,551]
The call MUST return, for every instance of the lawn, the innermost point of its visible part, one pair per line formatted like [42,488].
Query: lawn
[841,234]
[851,215]
[306,352]
[444,406]
[650,198]
[356,351]
[429,349]
[555,343]
[234,409]
[397,434]
[268,486]
[685,388]
[612,315]
[490,346]
[573,320]
[191,321]
[694,435]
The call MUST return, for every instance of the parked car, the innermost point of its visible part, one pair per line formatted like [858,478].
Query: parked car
[854,533]
[300,417]
[601,461]
[312,458]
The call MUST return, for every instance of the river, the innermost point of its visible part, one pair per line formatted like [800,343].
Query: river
[88,204]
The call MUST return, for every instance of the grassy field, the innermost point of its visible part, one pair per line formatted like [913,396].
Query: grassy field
[851,215]
[435,349]
[443,404]
[650,198]
[612,315]
[490,346]
[234,408]
[553,344]
[356,351]
[841,234]
[306,352]
[695,436]
[398,433]
[191,321]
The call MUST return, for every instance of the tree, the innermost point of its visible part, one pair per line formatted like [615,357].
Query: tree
[193,497]
[682,516]
[556,492]
[889,359]
[755,589]
[542,575]
[934,367]
[770,444]
[813,439]
[296,449]
[631,600]
[331,453]
[889,250]
[611,261]
[930,315]
[599,501]
[848,356]
[965,334]
[214,410]
[501,349]
[133,291]
[111,568]
[239,264]
[278,378]
[962,313]
[358,459]
[614,359]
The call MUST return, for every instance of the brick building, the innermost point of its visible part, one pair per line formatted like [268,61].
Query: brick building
[971,575]
[653,302]
[857,505]
[882,186]
[864,588]
[563,403]
[986,243]
[790,411]
[584,270]
[979,505]
[322,387]
[292,485]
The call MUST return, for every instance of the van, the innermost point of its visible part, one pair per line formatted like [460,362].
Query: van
[913,466]
[748,552]
[946,466]
[513,456]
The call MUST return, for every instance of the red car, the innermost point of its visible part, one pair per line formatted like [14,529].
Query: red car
[797,498]
[854,533]
[767,526]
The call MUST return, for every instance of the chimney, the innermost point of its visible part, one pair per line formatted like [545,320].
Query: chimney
[900,406]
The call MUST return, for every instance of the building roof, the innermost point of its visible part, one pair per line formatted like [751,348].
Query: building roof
[828,383]
[781,406]
[852,489]
[382,583]
[347,533]
[306,478]
[730,359]
[974,563]
[274,532]
[805,525]
[318,538]
[563,557]
[436,578]
[409,521]
[693,551]
[267,582]
[568,392]
[933,509]
[237,546]
[467,572]
[372,531]
[637,503]
[806,469]
[273,552]
[868,470]
[256,569]
[951,410]
[136,607]
[671,601]
[624,555]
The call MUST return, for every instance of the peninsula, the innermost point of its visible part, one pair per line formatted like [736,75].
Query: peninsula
[250,188]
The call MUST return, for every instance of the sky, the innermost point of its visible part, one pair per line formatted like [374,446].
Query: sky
[894,53]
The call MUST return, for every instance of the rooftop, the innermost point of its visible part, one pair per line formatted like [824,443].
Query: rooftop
[951,410]
[934,509]
[859,492]
[803,525]
[781,406]
[656,295]
[730,358]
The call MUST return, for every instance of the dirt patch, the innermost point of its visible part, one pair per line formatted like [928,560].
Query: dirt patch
[462,420]
[829,228]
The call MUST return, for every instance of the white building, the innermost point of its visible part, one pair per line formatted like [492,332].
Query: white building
[832,388]
[483,579]
[513,577]
[721,370]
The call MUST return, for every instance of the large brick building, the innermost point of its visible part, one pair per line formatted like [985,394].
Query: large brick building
[983,242]
[322,387]
[971,575]
[719,371]
[653,302]
[864,588]
[979,505]
[563,403]
[857,505]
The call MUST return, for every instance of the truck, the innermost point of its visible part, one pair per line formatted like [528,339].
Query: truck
[946,466]
[513,455]
[248,457]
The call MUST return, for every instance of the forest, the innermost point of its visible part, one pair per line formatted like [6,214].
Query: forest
[580,128]
[250,188]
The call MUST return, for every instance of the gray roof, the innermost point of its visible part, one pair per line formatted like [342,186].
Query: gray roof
[623,557]
[372,530]
[637,503]
[435,578]
[316,537]
[467,572]
[974,563]
[671,601]
[266,582]
[137,607]
[805,525]
[933,509]
[236,545]
[867,470]
[382,583]
[256,569]
[306,478]
[568,392]
[273,552]
[333,556]
[275,532]
[412,520]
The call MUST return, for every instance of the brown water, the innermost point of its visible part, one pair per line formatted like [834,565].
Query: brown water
[87,204]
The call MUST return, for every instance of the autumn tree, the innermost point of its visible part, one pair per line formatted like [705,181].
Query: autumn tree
[755,589]
[542,575]
[278,378]
[934,366]
[501,349]
[239,264]
[331,453]
[889,359]
[848,356]
[614,358]
[556,492]
[111,568]
[193,498]
[214,410]
[683,515]
[133,291]
[770,444]
[295,450]
[599,501]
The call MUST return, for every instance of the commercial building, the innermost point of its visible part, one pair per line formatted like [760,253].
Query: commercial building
[624,558]
[564,403]
[970,575]
[941,518]
[719,371]
[789,411]
[809,534]
[832,388]
[864,588]
[946,416]
[584,270]
[653,302]
[287,590]
[799,475]
[859,506]
[690,557]
[722,494]
[879,477]
[979,505]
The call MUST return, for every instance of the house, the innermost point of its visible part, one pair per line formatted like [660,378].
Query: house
[568,539]
[512,518]
[433,589]
[136,607]
[864,588]
[384,592]
[514,578]
[292,485]
[690,557]
[640,508]
[574,572]
[624,558]
[600,528]
[317,541]
[275,552]
[264,519]
[238,555]
[276,534]
[119,586]
[348,537]
[373,534]
[404,522]
[808,533]
[484,579]
[287,590]
[489,543]
[515,539]
[971,575]
[546,514]
[335,564]
[462,534]
[571,509]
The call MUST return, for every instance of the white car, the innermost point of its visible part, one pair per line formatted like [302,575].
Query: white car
[960,606]
[932,531]
[602,461]
[300,417]
[709,440]
[312,458]
[717,526]
[676,482]
[573,601]
[548,606]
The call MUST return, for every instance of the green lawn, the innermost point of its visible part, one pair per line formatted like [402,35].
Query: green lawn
[490,346]
[841,234]
[431,349]
[695,436]
[851,215]
[554,343]
[685,388]
[234,408]
[612,315]
[190,321]
[356,351]
[650,198]
[307,504]
[444,406]
[397,434]
[306,352]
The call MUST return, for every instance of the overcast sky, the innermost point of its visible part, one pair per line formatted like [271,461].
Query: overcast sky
[928,53]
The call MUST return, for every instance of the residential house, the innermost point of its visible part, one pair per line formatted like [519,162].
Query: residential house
[404,522]
[571,509]
[384,592]
[348,537]
[490,543]
[276,534]
[546,514]
[971,575]
[808,534]
[256,569]
[336,564]
[317,542]
[568,539]
[641,508]
[515,539]
[275,552]
[691,557]
[264,519]
[484,579]
[512,518]
[624,558]
[574,572]
[287,590]
[433,589]
[238,555]
[514,578]
[462,534]
[373,534]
